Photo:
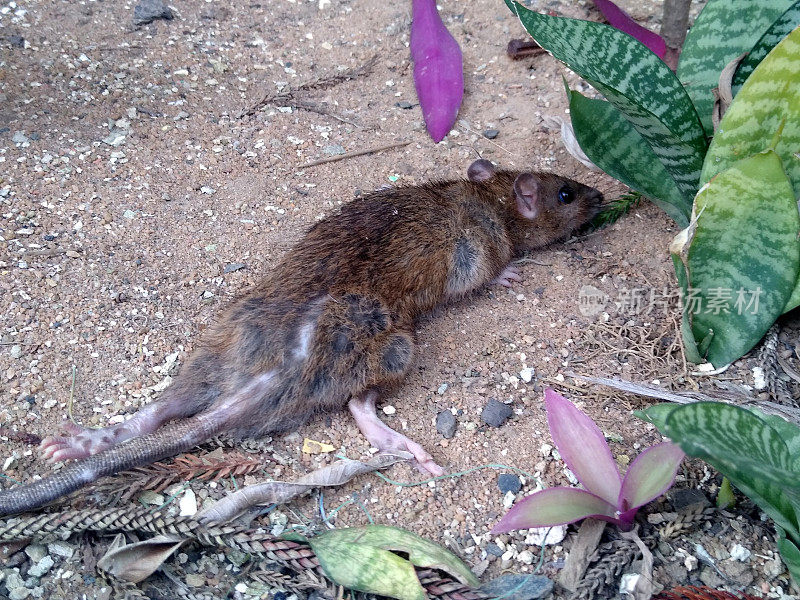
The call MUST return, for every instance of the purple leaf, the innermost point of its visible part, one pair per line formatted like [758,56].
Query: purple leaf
[555,506]
[650,475]
[438,71]
[621,20]
[583,447]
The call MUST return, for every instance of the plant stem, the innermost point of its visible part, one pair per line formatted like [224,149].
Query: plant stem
[673,28]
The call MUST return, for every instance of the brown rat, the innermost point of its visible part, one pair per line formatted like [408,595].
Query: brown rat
[333,325]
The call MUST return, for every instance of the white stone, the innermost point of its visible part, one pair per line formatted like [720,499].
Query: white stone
[740,553]
[188,504]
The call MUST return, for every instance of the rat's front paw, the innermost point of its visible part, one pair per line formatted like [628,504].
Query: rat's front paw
[79,442]
[508,275]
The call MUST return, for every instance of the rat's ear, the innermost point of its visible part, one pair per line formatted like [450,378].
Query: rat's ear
[528,193]
[480,170]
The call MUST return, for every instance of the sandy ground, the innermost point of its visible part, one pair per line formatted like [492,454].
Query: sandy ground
[136,201]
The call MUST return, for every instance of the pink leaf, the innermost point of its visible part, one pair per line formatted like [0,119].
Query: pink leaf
[438,71]
[583,447]
[554,506]
[651,474]
[621,20]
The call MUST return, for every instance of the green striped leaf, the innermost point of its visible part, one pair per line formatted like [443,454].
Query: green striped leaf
[612,143]
[768,102]
[741,257]
[740,446]
[724,30]
[790,554]
[635,81]
[782,26]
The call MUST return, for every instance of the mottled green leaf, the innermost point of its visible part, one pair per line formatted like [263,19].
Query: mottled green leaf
[741,446]
[789,432]
[366,568]
[722,31]
[657,414]
[421,552]
[613,144]
[635,81]
[741,257]
[768,101]
[790,554]
[782,26]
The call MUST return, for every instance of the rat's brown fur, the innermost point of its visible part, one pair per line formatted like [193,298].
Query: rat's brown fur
[334,320]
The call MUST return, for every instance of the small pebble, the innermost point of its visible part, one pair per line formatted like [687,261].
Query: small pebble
[19,138]
[41,567]
[495,413]
[62,549]
[491,134]
[233,267]
[740,553]
[446,424]
[389,409]
[404,105]
[36,552]
[494,549]
[442,389]
[148,11]
[526,374]
[508,482]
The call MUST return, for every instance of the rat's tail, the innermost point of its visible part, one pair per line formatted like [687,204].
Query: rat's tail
[169,440]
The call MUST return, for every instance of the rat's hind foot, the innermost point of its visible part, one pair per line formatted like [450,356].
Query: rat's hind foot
[79,442]
[508,275]
[384,437]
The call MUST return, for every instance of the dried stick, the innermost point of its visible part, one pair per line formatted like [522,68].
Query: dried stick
[352,154]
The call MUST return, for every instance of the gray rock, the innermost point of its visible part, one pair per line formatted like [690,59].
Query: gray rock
[491,134]
[19,593]
[508,482]
[681,498]
[19,138]
[518,587]
[495,413]
[494,549]
[404,105]
[41,567]
[333,149]
[36,552]
[148,11]
[446,424]
[233,267]
[62,549]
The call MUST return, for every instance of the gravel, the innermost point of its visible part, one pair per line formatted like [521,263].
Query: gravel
[495,413]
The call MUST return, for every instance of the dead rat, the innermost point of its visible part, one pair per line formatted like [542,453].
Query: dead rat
[333,325]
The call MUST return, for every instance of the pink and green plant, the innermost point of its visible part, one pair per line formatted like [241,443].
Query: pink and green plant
[607,495]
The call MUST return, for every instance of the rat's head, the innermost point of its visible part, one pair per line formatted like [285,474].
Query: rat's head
[544,207]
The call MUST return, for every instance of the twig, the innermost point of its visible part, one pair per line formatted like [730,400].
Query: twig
[289,97]
[352,154]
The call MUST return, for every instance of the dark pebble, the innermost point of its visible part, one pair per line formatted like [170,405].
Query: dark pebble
[491,133]
[35,137]
[233,267]
[279,596]
[518,587]
[148,11]
[446,424]
[508,482]
[5,129]
[16,40]
[681,498]
[494,549]
[495,413]
[404,105]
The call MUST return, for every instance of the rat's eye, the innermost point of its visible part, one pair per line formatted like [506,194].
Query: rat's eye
[566,195]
